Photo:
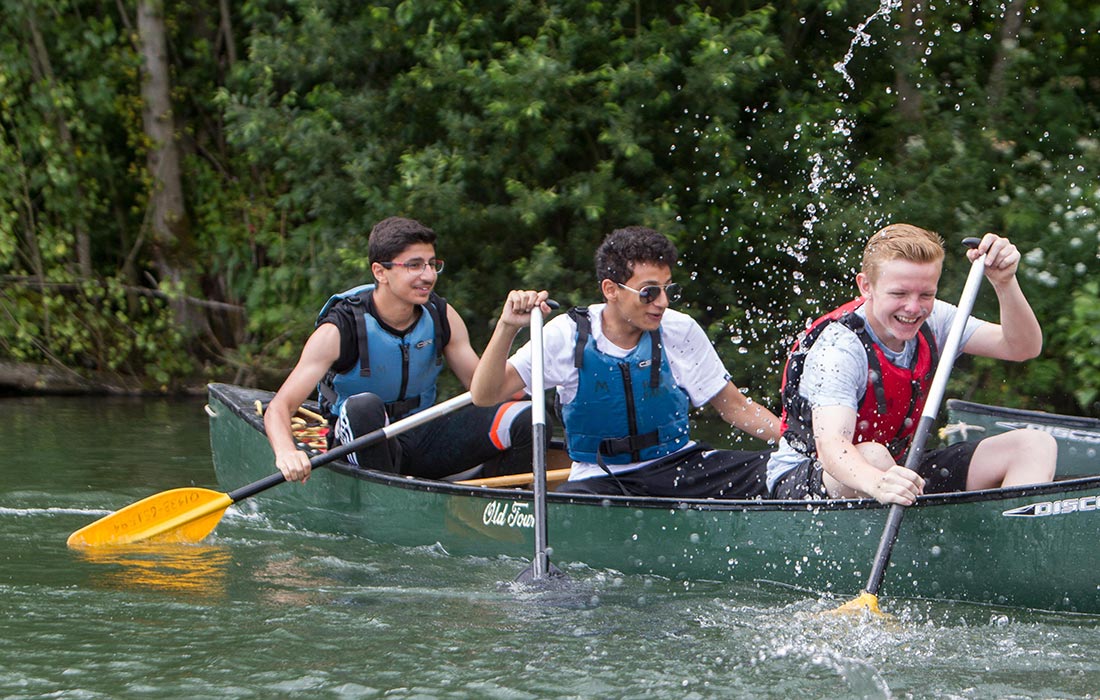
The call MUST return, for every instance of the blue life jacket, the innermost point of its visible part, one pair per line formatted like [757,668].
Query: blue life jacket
[626,409]
[401,370]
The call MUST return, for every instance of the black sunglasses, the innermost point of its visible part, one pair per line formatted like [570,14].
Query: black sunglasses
[649,293]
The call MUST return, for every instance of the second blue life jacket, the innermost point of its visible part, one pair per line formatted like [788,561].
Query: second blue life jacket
[626,409]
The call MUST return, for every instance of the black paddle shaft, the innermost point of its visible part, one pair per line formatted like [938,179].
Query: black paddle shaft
[928,416]
[541,568]
[317,461]
[371,438]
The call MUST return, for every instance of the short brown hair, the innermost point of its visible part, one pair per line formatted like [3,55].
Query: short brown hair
[901,242]
[391,236]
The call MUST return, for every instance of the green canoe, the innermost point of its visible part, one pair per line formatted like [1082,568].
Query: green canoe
[1030,547]
[1078,438]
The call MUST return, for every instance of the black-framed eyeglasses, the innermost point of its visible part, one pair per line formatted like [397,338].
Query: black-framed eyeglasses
[415,267]
[649,293]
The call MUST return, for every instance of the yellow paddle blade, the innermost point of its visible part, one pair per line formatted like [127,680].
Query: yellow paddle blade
[179,515]
[863,602]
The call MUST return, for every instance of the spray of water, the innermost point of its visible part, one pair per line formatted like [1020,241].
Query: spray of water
[860,37]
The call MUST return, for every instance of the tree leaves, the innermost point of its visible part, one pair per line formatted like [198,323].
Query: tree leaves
[524,132]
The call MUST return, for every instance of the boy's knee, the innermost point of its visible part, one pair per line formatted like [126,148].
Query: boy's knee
[511,426]
[1041,448]
[365,412]
[361,415]
[1023,456]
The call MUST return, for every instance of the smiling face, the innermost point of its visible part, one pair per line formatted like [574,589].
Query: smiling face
[899,299]
[627,306]
[404,285]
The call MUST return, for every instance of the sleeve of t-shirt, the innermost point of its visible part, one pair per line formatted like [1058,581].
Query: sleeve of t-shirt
[695,363]
[942,316]
[342,316]
[558,340]
[835,372]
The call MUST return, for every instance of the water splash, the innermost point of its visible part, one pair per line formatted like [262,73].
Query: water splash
[860,37]
[832,169]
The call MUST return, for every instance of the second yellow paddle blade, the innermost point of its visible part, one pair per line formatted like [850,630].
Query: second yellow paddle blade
[179,515]
[863,602]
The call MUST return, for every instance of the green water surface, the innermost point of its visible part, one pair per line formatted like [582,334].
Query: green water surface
[263,610]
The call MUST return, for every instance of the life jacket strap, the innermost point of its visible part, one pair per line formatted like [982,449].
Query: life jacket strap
[579,314]
[399,409]
[359,306]
[433,311]
[630,443]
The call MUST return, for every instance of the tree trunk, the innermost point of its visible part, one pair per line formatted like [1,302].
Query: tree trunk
[167,217]
[1010,34]
[225,27]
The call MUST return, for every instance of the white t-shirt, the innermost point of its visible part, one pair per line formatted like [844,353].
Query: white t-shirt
[835,373]
[695,365]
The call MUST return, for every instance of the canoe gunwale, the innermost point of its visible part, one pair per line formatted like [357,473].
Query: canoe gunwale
[242,403]
[1043,417]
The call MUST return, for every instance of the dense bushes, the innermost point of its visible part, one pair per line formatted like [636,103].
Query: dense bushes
[525,131]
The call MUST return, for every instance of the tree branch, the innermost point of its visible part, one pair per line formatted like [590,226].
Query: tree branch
[78,285]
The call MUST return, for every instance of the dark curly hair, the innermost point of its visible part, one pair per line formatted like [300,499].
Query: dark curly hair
[391,236]
[625,247]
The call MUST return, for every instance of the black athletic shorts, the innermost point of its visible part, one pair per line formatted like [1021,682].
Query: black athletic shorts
[451,444]
[699,472]
[944,471]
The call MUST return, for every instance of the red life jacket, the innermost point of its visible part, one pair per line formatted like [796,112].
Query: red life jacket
[894,398]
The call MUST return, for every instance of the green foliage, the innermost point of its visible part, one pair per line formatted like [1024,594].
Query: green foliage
[103,327]
[767,139]
[1083,337]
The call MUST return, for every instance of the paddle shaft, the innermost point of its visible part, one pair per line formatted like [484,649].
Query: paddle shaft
[540,565]
[371,438]
[928,414]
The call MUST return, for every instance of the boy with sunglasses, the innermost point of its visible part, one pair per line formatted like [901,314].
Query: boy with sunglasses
[627,373]
[375,356]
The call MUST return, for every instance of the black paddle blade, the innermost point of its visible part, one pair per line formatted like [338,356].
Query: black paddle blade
[553,575]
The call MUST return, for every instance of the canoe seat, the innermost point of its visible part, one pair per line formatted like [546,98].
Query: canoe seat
[554,478]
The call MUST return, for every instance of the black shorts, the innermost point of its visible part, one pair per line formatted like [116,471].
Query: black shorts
[944,471]
[448,445]
[700,472]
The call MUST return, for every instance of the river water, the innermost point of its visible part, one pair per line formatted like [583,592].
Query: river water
[262,610]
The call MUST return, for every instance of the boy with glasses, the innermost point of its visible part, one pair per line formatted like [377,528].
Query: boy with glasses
[627,373]
[375,356]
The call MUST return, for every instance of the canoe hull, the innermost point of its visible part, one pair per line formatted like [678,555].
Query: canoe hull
[957,546]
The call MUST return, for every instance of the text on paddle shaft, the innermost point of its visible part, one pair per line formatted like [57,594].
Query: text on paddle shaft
[508,514]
